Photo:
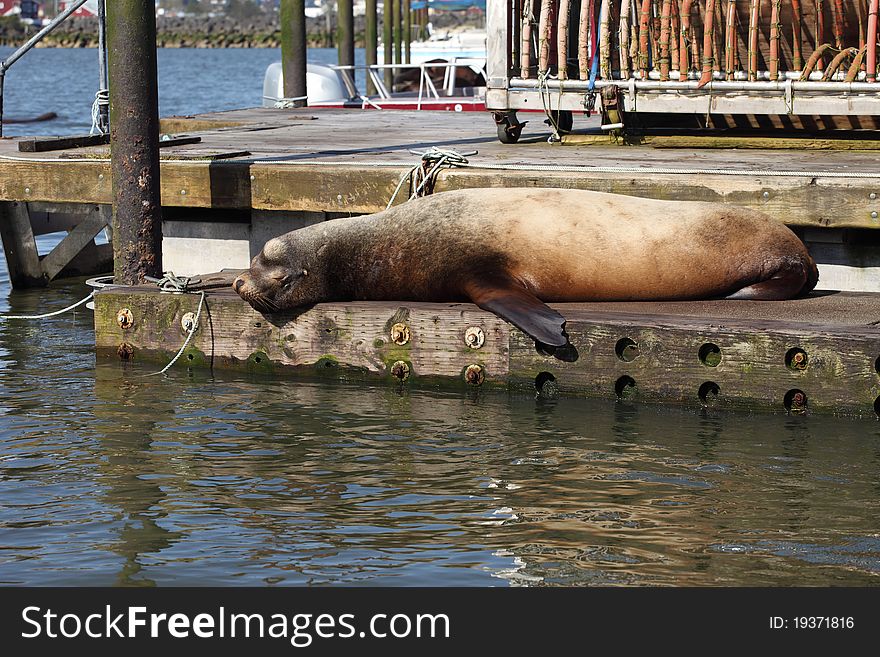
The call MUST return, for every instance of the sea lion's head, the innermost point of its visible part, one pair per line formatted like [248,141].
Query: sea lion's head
[279,277]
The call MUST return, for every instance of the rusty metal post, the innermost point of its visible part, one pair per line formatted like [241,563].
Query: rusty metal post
[293,50]
[134,140]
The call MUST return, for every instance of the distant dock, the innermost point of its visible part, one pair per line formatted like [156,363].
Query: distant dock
[257,173]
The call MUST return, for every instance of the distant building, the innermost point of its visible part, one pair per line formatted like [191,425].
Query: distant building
[28,10]
[88,9]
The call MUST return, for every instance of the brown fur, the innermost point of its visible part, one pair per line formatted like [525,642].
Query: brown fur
[552,245]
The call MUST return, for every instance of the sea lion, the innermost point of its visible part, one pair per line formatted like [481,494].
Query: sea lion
[511,250]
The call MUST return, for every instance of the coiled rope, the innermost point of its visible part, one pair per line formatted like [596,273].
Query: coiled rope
[423,175]
[102,99]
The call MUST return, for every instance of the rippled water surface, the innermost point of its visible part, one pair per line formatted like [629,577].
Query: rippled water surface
[109,477]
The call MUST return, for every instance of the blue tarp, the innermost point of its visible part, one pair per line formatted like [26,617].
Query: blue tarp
[448,5]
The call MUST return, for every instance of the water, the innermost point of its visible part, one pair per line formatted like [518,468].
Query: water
[191,80]
[108,477]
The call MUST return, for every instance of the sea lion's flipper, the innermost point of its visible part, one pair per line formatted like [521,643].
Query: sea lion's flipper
[511,301]
[791,280]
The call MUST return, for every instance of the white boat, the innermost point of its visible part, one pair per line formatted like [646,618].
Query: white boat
[447,72]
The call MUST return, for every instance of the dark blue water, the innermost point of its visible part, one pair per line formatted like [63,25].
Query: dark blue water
[191,80]
[110,477]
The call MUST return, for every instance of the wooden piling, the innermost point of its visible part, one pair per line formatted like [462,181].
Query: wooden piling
[134,140]
[388,41]
[371,41]
[398,31]
[345,33]
[407,31]
[293,50]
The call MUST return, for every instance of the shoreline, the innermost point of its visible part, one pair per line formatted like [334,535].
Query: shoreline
[262,31]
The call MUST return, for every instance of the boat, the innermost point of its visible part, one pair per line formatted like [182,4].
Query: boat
[446,72]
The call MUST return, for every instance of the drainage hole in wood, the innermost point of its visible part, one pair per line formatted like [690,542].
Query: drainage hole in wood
[795,401]
[625,386]
[627,349]
[708,392]
[710,355]
[545,383]
[796,359]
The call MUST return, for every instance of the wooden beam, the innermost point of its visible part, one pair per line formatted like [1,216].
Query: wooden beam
[22,258]
[76,240]
[756,356]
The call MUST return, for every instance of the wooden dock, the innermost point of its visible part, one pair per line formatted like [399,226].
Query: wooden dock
[820,354]
[258,173]
[344,161]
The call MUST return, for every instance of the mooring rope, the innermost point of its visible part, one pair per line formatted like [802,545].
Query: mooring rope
[192,330]
[102,99]
[52,314]
[422,178]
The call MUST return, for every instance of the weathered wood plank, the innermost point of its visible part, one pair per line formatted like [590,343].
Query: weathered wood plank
[683,353]
[808,201]
[329,161]
[22,257]
[350,340]
[76,240]
[44,144]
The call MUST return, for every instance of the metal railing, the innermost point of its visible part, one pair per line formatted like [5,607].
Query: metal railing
[103,107]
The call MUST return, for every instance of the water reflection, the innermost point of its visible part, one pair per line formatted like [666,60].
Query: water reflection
[109,477]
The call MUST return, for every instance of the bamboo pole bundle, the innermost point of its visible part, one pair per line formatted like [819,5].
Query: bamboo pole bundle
[605,39]
[644,32]
[797,57]
[754,7]
[624,36]
[545,27]
[562,39]
[730,40]
[525,57]
[708,31]
[838,61]
[860,13]
[856,65]
[871,72]
[584,39]
[814,60]
[775,30]
[674,31]
[665,29]
[634,35]
[837,20]
[684,36]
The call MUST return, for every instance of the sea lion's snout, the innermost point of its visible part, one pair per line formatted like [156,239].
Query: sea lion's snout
[237,284]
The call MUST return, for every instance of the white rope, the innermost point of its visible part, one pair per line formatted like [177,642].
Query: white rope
[433,157]
[192,331]
[53,314]
[102,97]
